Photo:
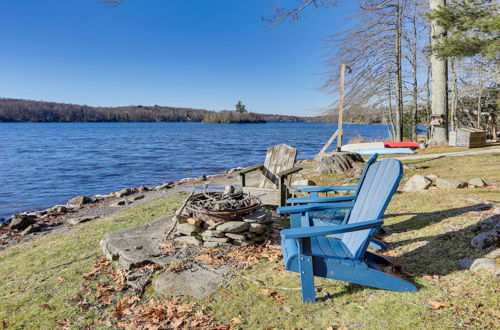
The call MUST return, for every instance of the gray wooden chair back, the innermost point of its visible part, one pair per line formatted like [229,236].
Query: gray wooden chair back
[380,183]
[279,158]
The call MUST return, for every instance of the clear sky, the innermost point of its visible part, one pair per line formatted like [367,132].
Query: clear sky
[189,53]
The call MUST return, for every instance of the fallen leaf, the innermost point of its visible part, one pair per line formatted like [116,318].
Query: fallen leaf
[360,307]
[61,279]
[435,305]
[45,306]
[237,320]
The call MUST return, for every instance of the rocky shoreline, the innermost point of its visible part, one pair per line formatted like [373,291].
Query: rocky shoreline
[25,226]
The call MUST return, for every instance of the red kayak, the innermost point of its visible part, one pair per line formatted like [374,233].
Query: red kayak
[411,145]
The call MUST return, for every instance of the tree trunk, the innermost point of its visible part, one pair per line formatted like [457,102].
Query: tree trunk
[439,106]
[399,73]
[338,162]
[414,72]
[454,99]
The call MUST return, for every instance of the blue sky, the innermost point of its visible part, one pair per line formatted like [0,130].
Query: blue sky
[199,53]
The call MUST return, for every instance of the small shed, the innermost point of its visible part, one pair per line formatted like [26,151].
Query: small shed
[468,138]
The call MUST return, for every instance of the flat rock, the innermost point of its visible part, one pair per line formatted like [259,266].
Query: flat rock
[194,221]
[417,183]
[59,209]
[233,227]
[215,244]
[216,239]
[431,176]
[259,216]
[450,184]
[196,282]
[482,263]
[31,229]
[21,221]
[79,201]
[257,228]
[162,186]
[124,192]
[189,240]
[477,182]
[493,254]
[135,198]
[75,221]
[187,229]
[238,237]
[212,233]
[120,245]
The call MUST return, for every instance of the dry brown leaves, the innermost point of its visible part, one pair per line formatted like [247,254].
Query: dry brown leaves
[250,255]
[435,305]
[273,294]
[162,314]
[179,267]
[168,248]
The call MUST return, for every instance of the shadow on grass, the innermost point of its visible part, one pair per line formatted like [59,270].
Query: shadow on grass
[421,220]
[441,253]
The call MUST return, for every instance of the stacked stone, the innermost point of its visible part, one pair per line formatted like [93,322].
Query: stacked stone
[252,229]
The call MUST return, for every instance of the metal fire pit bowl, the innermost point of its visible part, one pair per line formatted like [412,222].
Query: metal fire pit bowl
[225,215]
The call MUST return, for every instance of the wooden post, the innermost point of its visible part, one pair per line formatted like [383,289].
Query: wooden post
[341,107]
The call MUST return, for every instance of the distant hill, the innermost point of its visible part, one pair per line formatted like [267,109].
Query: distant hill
[17,110]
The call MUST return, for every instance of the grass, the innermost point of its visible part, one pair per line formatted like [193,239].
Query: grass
[428,232]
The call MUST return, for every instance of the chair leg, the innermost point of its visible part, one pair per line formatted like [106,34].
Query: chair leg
[377,258]
[307,279]
[295,220]
[377,244]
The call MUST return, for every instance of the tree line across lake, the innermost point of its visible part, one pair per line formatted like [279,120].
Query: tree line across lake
[17,110]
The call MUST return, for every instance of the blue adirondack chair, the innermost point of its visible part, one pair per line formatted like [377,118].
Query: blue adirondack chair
[339,251]
[332,216]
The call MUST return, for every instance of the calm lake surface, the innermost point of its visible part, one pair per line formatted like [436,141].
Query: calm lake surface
[44,164]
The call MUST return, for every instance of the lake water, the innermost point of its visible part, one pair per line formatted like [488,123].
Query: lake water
[43,164]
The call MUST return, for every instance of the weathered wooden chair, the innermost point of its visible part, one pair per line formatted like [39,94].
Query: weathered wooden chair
[275,175]
[332,216]
[339,251]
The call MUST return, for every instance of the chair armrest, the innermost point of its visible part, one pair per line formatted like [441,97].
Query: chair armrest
[251,168]
[308,200]
[326,189]
[289,171]
[304,232]
[314,207]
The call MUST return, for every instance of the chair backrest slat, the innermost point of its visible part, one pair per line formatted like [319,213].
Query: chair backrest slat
[279,158]
[375,193]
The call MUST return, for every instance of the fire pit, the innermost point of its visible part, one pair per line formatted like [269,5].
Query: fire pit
[222,206]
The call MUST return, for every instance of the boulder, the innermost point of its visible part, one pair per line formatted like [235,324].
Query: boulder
[417,183]
[493,254]
[162,186]
[477,182]
[233,227]
[79,201]
[486,239]
[196,282]
[119,203]
[31,229]
[482,263]
[190,240]
[431,176]
[142,188]
[124,192]
[450,184]
[187,229]
[21,221]
[257,228]
[59,209]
